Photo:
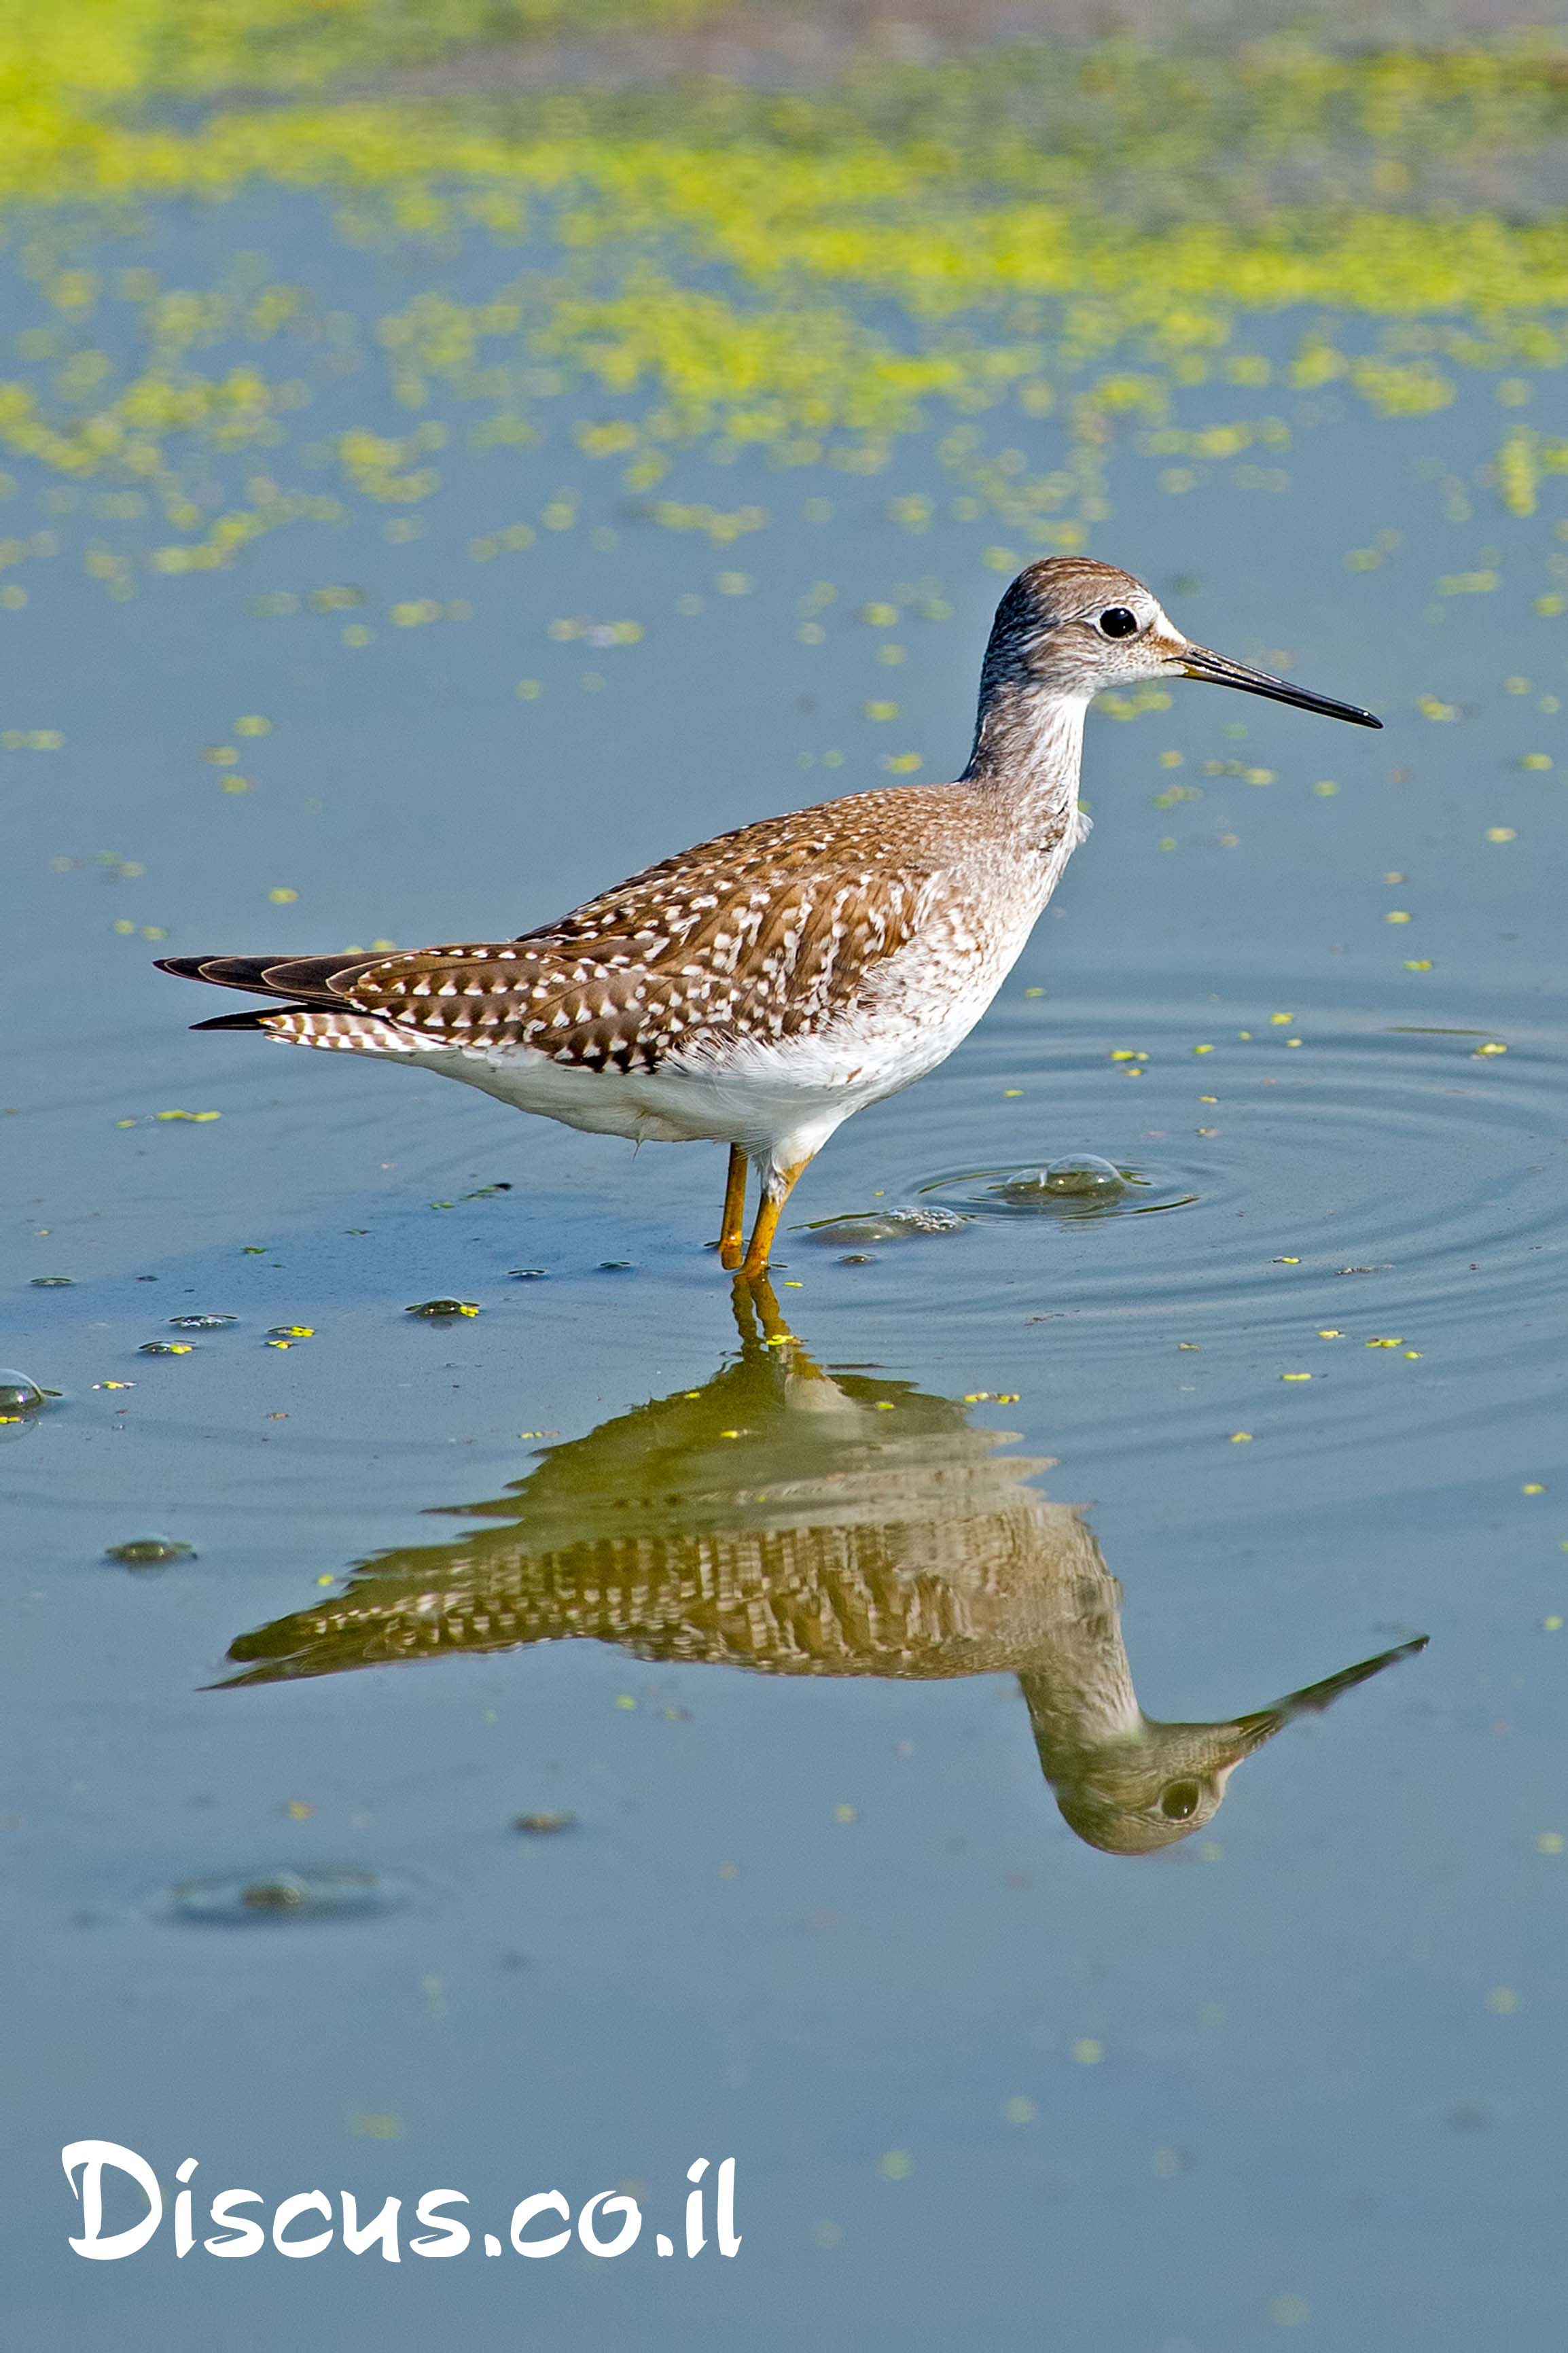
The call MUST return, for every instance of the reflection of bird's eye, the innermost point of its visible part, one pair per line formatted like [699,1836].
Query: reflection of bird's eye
[1119,622]
[1179,1801]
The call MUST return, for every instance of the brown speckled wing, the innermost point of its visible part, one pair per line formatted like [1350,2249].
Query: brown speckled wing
[752,962]
[766,933]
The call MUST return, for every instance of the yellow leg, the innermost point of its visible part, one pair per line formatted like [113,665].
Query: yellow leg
[775,1193]
[732,1233]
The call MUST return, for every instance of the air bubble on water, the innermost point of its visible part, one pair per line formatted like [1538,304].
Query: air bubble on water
[19,1393]
[1078,1186]
[888,1226]
[280,1895]
[1081,1180]
[329,1891]
[150,1552]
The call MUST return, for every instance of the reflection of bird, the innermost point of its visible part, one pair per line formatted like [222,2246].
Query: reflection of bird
[801,1524]
[758,989]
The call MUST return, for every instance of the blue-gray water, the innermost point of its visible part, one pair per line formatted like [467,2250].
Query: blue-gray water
[982,2080]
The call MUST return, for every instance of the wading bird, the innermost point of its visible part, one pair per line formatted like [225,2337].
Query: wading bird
[758,989]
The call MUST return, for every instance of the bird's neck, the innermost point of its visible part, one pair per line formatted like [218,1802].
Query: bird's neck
[1081,1699]
[1077,1680]
[1028,745]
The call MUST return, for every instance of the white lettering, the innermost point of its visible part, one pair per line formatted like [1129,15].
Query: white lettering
[729,2237]
[184,2237]
[545,2202]
[383,2227]
[627,2236]
[238,2234]
[289,2211]
[249,2238]
[92,2156]
[695,2241]
[453,2235]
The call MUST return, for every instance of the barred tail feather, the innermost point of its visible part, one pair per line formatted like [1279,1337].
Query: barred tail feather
[286,976]
[356,1033]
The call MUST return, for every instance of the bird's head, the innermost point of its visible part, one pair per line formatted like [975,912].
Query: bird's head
[1072,627]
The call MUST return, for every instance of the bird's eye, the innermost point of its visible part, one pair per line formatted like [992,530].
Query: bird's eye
[1180,1802]
[1119,623]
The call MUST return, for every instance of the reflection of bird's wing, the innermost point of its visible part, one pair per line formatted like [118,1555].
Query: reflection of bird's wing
[944,1576]
[766,933]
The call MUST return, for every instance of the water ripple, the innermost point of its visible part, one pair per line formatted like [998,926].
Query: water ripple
[1347,1149]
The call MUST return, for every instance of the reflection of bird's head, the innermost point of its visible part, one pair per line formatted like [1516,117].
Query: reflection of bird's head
[1154,1786]
[1135,1788]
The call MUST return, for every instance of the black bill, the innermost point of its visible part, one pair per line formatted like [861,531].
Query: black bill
[1262,1726]
[1198,662]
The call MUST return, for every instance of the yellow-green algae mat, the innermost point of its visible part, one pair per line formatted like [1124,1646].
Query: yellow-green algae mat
[1076,231]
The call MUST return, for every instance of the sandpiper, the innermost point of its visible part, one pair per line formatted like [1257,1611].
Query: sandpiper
[758,989]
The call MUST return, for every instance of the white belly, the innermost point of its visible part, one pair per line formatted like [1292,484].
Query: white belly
[778,1099]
